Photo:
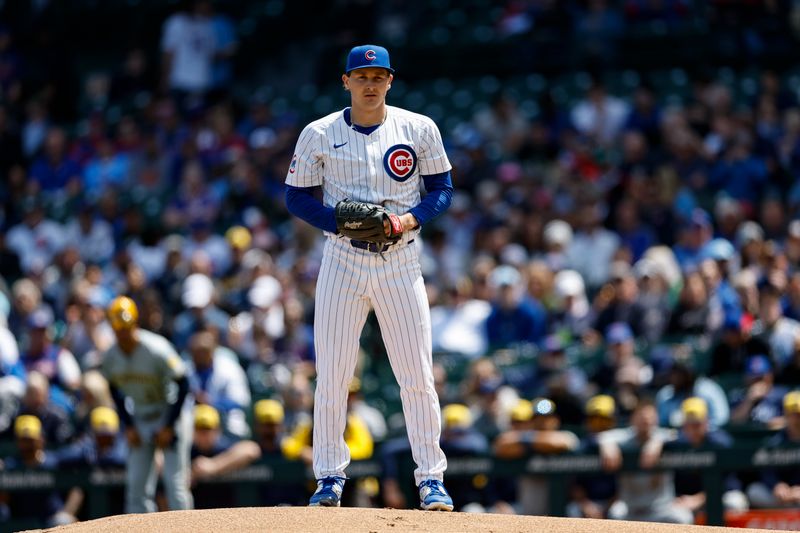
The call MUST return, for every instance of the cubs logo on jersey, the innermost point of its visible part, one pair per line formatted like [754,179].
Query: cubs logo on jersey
[400,162]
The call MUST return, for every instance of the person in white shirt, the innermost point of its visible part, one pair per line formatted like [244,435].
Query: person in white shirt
[189,44]
[92,236]
[599,115]
[217,379]
[36,239]
[458,322]
[592,249]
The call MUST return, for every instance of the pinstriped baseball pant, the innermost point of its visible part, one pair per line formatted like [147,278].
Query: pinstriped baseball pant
[350,282]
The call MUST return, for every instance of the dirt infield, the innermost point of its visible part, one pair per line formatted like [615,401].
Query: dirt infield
[306,519]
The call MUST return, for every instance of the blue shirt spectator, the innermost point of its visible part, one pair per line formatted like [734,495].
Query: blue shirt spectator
[684,383]
[514,318]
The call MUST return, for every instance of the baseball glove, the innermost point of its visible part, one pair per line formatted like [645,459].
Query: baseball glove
[364,222]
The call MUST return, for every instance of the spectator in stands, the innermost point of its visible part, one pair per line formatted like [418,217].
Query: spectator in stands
[781,487]
[544,437]
[197,297]
[254,330]
[692,315]
[645,114]
[635,236]
[779,331]
[218,380]
[599,116]
[38,401]
[574,316]
[557,237]
[652,306]
[91,235]
[696,231]
[103,446]
[616,300]
[501,124]
[202,239]
[735,346]
[760,400]
[458,321]
[593,247]
[643,495]
[489,399]
[592,494]
[12,380]
[514,319]
[460,439]
[684,382]
[738,171]
[88,335]
[275,442]
[46,505]
[109,170]
[55,170]
[36,239]
[745,282]
[213,455]
[750,242]
[295,348]
[57,364]
[696,434]
[372,417]
[9,350]
[555,378]
[723,300]
[298,400]
[189,45]
[193,202]
[620,356]
[94,393]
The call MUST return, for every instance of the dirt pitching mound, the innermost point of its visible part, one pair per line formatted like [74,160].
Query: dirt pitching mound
[345,520]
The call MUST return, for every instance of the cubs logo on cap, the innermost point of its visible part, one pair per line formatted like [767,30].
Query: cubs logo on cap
[400,162]
[368,55]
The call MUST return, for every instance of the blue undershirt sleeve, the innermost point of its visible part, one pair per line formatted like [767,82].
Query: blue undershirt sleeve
[436,202]
[301,202]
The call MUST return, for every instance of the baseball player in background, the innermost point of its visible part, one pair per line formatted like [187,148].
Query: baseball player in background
[380,156]
[147,375]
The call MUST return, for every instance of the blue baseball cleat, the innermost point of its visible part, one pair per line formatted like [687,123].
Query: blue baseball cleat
[433,496]
[329,492]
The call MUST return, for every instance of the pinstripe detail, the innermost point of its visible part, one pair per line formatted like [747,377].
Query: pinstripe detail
[351,281]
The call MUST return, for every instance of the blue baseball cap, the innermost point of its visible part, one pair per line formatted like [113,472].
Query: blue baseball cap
[718,249]
[368,55]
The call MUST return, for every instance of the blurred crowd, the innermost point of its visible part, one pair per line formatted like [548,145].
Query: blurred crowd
[606,225]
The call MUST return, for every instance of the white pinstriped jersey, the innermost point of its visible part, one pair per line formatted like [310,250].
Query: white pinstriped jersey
[383,167]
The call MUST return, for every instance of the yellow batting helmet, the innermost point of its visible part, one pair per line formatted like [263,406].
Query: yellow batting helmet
[123,313]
